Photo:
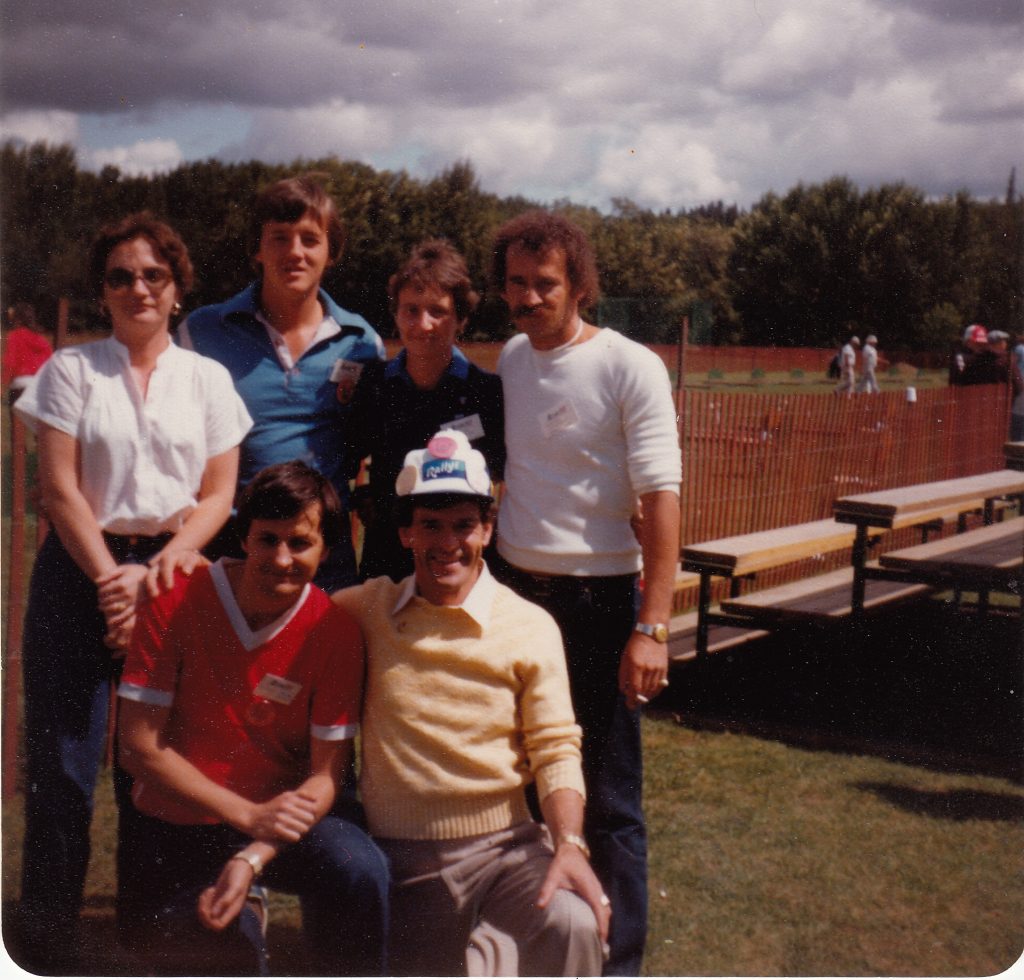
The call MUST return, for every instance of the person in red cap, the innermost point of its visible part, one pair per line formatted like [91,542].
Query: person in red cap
[973,343]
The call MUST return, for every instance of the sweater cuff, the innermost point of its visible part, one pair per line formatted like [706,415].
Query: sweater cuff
[560,774]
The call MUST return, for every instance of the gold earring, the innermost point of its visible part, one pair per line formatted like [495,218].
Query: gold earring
[176,309]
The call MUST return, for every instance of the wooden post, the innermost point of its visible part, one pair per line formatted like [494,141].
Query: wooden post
[61,337]
[15,609]
[684,339]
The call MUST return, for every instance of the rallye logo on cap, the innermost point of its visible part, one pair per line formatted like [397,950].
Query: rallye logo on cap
[441,469]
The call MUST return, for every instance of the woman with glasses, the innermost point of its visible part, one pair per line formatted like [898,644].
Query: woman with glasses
[138,457]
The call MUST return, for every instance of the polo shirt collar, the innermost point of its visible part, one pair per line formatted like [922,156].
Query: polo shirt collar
[478,603]
[458,366]
[247,303]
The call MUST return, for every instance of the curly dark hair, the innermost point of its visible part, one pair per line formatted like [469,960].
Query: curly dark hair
[539,230]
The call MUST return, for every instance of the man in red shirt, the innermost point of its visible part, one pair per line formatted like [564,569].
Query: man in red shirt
[239,705]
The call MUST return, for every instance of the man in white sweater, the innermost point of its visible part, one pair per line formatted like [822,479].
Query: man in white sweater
[590,429]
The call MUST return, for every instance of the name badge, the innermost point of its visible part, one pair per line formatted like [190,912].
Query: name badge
[469,425]
[278,689]
[345,374]
[563,416]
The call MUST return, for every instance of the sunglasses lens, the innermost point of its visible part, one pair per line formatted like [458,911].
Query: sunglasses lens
[124,279]
[155,276]
[119,278]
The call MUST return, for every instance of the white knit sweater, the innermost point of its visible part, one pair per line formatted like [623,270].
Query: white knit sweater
[588,430]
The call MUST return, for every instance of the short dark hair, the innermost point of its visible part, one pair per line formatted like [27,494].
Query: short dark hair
[435,262]
[165,240]
[292,198]
[538,231]
[405,506]
[285,490]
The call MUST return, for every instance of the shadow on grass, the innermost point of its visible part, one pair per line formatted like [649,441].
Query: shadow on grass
[926,685]
[101,955]
[958,805]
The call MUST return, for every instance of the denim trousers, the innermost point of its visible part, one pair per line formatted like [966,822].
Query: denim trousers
[596,615]
[68,678]
[339,875]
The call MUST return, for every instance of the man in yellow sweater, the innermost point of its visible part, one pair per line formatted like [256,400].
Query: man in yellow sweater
[467,702]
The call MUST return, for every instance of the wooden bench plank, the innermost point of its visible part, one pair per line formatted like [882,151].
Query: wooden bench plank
[682,642]
[987,556]
[882,506]
[743,554]
[822,597]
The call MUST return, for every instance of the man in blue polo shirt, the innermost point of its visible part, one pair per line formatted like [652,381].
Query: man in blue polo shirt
[294,354]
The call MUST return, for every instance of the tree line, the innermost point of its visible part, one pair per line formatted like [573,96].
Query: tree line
[800,269]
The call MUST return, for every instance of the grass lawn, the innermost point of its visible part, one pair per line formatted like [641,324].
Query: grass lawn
[846,804]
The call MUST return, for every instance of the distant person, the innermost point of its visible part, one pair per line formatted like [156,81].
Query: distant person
[1017,410]
[1008,371]
[294,354]
[26,349]
[973,343]
[430,385]
[240,704]
[869,363]
[138,457]
[990,363]
[468,702]
[590,427]
[848,367]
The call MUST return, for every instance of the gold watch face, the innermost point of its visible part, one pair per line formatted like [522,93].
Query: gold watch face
[657,631]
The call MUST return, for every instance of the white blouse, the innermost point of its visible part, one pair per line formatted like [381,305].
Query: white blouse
[142,459]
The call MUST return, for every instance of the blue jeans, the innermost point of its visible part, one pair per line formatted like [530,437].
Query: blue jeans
[596,616]
[338,873]
[68,674]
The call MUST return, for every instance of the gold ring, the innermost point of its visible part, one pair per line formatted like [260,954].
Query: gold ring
[664,682]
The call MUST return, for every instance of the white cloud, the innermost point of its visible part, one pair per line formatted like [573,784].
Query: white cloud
[53,126]
[140,159]
[715,98]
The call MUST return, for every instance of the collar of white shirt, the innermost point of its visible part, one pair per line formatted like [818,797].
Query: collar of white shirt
[477,605]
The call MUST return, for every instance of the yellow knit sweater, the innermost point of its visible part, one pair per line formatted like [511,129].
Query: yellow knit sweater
[459,718]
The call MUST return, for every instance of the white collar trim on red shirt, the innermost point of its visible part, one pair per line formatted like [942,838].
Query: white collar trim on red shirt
[478,603]
[246,636]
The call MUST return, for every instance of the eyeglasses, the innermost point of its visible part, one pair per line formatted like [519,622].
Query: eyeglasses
[153,276]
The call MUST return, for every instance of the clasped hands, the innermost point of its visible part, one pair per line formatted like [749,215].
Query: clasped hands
[285,819]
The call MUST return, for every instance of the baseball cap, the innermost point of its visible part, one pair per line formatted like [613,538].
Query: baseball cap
[976,333]
[871,339]
[994,335]
[448,465]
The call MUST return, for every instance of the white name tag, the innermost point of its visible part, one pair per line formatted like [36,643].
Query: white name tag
[563,416]
[343,370]
[470,426]
[277,689]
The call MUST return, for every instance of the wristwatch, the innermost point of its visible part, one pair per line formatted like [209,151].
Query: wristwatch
[659,631]
[253,860]
[576,841]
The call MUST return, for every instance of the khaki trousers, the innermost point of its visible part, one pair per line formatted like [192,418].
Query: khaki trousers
[468,907]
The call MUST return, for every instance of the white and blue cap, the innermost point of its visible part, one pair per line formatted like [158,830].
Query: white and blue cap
[449,464]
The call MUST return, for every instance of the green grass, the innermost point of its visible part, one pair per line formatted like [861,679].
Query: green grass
[838,804]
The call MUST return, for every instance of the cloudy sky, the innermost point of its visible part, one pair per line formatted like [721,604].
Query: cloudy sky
[671,103]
